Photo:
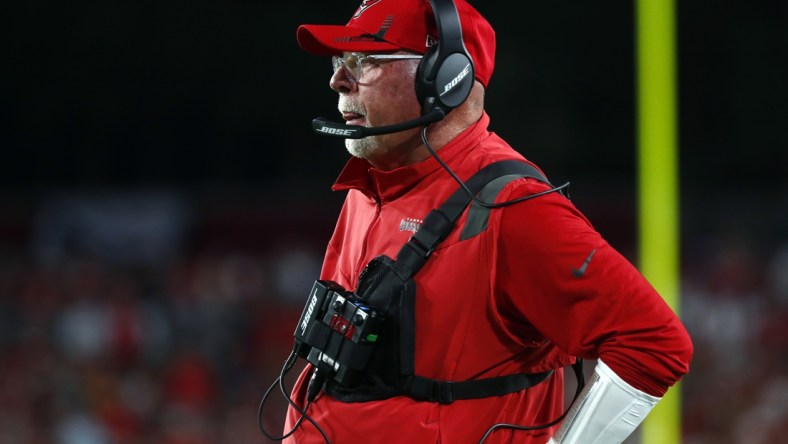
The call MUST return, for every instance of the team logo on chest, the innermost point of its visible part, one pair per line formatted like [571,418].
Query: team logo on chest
[410,224]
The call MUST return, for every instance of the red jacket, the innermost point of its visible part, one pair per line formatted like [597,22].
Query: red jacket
[509,300]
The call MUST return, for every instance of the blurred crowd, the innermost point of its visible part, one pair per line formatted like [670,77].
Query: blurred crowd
[735,306]
[112,334]
[179,347]
[98,354]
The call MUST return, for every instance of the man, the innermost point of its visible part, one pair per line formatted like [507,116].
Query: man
[524,293]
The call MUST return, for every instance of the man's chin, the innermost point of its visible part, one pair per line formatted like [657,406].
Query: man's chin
[361,148]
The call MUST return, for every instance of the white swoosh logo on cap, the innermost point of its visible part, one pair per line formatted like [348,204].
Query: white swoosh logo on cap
[363,7]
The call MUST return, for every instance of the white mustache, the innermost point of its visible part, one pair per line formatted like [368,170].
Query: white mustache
[346,105]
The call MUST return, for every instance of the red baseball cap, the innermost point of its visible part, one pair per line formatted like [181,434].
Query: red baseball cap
[394,25]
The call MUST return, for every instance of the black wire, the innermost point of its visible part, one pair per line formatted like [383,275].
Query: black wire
[288,365]
[522,427]
[498,205]
[302,412]
[516,427]
[494,205]
[578,368]
[285,368]
[468,190]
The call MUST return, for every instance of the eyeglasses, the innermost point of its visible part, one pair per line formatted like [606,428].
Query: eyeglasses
[354,62]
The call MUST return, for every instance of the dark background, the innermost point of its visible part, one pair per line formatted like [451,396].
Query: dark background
[211,95]
[202,109]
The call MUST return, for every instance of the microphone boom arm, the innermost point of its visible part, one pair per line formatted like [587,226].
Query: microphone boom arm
[326,127]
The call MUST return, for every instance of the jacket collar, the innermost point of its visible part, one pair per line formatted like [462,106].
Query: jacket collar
[385,186]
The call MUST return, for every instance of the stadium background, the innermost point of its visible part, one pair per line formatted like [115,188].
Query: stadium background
[164,206]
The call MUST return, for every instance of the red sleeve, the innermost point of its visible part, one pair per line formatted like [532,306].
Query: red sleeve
[558,274]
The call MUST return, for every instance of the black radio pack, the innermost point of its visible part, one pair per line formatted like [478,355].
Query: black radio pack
[336,333]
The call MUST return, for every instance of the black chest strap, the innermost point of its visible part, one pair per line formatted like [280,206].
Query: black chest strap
[446,392]
[439,222]
[412,256]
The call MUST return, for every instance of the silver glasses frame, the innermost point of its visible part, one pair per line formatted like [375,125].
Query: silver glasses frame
[355,73]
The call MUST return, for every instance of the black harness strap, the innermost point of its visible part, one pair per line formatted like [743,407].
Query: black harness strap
[412,256]
[446,392]
[478,215]
[439,222]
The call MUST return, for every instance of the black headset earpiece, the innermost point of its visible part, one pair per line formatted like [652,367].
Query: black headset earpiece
[445,75]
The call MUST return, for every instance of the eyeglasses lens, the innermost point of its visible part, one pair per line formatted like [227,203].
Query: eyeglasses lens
[352,65]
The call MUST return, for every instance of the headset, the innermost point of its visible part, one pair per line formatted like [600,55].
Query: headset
[444,80]
[445,75]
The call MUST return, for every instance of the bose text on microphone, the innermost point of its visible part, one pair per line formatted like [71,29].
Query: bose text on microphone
[329,128]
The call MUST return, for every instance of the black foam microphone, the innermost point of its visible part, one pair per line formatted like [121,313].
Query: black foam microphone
[329,128]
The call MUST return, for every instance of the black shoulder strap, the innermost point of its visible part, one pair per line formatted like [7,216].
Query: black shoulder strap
[478,215]
[487,183]
[440,221]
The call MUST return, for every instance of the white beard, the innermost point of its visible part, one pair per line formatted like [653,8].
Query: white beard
[361,148]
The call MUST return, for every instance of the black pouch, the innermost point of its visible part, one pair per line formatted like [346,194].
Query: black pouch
[384,288]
